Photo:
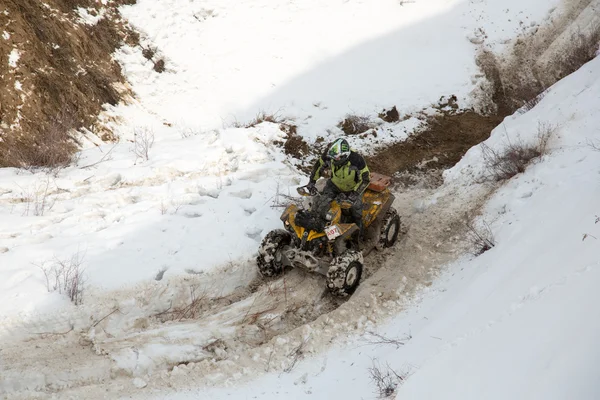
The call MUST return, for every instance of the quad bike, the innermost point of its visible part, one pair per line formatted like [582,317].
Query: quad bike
[332,247]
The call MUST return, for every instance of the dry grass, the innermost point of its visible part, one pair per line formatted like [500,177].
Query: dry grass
[514,158]
[67,85]
[52,147]
[263,116]
[190,310]
[356,124]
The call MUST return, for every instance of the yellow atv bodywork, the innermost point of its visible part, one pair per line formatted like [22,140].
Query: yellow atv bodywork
[373,202]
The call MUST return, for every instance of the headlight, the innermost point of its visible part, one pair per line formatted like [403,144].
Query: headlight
[330,215]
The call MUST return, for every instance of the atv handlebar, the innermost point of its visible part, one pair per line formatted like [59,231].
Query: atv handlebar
[308,190]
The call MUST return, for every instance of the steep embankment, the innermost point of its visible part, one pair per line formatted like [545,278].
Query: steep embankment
[57,74]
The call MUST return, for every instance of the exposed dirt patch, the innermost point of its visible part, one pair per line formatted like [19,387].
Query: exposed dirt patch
[441,145]
[64,73]
[294,145]
[356,124]
[391,115]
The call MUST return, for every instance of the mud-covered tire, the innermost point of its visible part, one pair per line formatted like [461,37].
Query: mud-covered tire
[390,228]
[344,273]
[267,260]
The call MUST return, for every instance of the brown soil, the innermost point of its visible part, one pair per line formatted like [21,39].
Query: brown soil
[65,70]
[441,145]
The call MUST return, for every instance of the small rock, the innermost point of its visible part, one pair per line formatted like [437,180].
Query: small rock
[3,250]
[139,383]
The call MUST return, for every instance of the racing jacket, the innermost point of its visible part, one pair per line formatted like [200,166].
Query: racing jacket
[353,175]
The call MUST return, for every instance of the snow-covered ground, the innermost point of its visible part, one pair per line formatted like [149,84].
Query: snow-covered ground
[191,215]
[518,322]
[202,199]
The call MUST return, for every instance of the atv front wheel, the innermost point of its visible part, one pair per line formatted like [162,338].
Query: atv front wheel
[344,273]
[390,228]
[269,253]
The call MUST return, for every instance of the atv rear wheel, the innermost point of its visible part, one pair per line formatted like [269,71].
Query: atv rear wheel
[344,273]
[390,228]
[269,253]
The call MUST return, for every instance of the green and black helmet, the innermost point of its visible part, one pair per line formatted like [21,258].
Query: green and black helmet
[339,152]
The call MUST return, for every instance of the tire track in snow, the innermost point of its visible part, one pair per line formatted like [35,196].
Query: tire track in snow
[254,327]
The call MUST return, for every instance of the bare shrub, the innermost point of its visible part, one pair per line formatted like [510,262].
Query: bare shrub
[159,65]
[66,277]
[516,156]
[386,380]
[593,144]
[190,310]
[296,355]
[143,140]
[38,198]
[189,132]
[106,157]
[148,52]
[376,339]
[481,238]
[282,200]
[356,124]
[511,161]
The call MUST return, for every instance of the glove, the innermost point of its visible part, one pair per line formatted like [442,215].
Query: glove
[353,197]
[312,188]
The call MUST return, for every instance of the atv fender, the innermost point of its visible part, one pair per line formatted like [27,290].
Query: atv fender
[339,245]
[385,207]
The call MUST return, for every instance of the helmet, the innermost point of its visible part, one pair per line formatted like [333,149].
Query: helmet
[339,152]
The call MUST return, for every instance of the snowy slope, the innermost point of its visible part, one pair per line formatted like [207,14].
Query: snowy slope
[314,61]
[520,321]
[132,218]
[195,211]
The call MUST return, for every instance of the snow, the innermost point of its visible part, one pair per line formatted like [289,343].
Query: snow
[132,219]
[189,208]
[356,57]
[519,321]
[191,215]
[13,58]
[86,16]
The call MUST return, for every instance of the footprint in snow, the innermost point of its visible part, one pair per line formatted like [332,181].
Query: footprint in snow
[192,215]
[214,193]
[249,211]
[244,194]
[254,234]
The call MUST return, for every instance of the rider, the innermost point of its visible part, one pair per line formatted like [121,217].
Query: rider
[349,176]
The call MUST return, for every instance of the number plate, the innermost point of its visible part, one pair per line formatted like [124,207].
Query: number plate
[332,232]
